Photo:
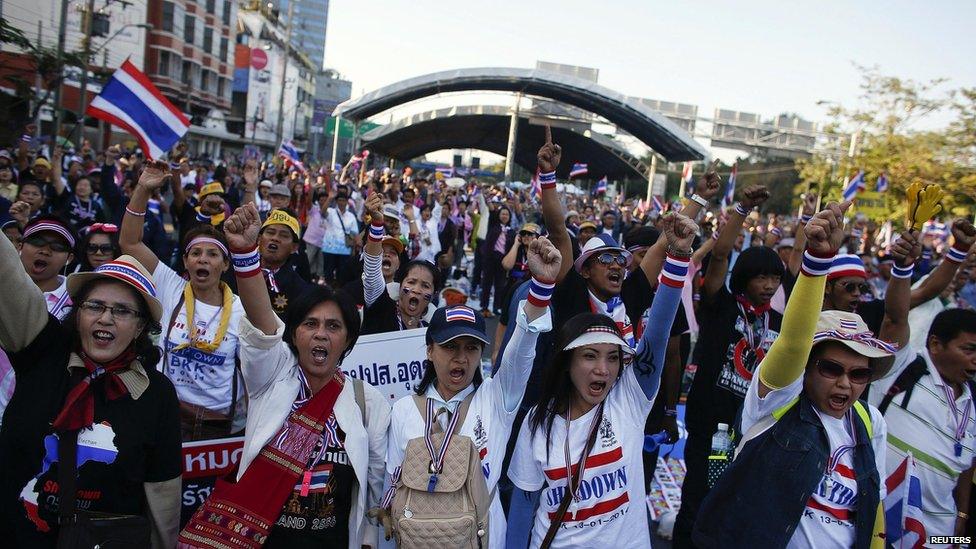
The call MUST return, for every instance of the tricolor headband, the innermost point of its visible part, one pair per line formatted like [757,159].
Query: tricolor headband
[128,274]
[207,240]
[52,227]
[599,334]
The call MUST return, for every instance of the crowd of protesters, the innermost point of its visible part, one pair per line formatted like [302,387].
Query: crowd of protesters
[152,303]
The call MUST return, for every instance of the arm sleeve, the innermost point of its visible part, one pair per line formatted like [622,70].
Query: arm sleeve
[23,312]
[163,500]
[262,356]
[649,361]
[162,483]
[516,365]
[373,284]
[788,356]
[111,194]
[379,423]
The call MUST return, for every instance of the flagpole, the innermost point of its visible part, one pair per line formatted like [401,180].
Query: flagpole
[284,73]
[650,176]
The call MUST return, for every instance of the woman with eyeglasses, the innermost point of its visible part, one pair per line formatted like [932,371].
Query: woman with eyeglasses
[419,283]
[201,316]
[87,388]
[581,446]
[99,245]
[809,445]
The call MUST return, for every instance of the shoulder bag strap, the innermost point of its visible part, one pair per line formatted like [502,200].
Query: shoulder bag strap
[169,327]
[67,478]
[568,494]
[360,392]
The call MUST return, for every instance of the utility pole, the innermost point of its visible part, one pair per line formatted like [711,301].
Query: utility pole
[101,123]
[650,176]
[512,137]
[62,31]
[284,74]
[38,84]
[88,19]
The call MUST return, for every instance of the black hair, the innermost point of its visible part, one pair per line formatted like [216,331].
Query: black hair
[753,262]
[494,218]
[146,351]
[641,236]
[32,182]
[299,308]
[423,263]
[948,324]
[557,387]
[82,249]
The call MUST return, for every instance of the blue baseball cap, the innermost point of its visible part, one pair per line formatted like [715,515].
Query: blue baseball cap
[452,322]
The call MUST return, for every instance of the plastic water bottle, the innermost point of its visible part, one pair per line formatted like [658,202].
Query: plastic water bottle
[651,442]
[720,440]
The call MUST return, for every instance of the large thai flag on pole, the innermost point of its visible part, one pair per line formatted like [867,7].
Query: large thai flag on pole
[130,101]
[903,507]
[730,187]
[578,169]
[290,154]
[854,186]
[657,205]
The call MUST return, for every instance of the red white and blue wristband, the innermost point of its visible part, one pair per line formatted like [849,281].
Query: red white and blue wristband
[816,264]
[674,271]
[742,210]
[956,255]
[376,232]
[805,218]
[902,272]
[246,263]
[540,292]
[547,180]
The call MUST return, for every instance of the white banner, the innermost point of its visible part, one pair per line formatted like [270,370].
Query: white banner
[393,362]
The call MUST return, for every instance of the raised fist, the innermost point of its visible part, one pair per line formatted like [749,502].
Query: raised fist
[374,206]
[543,259]
[963,232]
[907,248]
[754,195]
[549,154]
[20,212]
[709,183]
[825,232]
[680,231]
[154,175]
[242,227]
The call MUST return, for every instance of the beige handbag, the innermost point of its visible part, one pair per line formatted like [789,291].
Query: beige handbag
[442,498]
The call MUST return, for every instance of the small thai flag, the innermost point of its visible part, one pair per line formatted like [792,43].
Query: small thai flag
[460,312]
[882,185]
[536,187]
[854,186]
[578,169]
[601,186]
[730,187]
[688,178]
[446,172]
[903,507]
[848,324]
[288,152]
[130,101]
[657,205]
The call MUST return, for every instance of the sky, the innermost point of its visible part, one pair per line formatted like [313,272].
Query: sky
[763,57]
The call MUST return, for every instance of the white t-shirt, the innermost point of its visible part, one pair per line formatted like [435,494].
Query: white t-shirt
[201,378]
[334,240]
[827,518]
[611,510]
[490,417]
[927,430]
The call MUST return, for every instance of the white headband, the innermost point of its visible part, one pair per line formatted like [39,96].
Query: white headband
[207,240]
[599,334]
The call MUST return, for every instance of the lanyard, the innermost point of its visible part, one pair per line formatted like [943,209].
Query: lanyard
[960,418]
[437,456]
[840,451]
[570,484]
[270,273]
[750,335]
[85,213]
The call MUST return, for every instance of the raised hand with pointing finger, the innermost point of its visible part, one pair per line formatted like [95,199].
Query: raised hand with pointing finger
[550,154]
[825,232]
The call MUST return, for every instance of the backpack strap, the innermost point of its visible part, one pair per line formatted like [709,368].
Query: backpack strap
[865,416]
[360,392]
[904,383]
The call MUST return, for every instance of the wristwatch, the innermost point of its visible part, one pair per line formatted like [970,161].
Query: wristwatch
[696,198]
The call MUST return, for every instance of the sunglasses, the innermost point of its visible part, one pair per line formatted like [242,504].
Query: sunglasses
[608,258]
[526,233]
[861,287]
[56,245]
[103,249]
[833,370]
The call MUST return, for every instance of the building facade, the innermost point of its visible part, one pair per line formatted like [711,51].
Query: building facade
[308,32]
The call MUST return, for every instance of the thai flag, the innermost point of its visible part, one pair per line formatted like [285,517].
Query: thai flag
[688,178]
[937,229]
[536,187]
[903,507]
[130,101]
[854,186]
[288,152]
[446,172]
[601,186]
[882,184]
[848,324]
[730,187]
[657,205]
[578,169]
[460,312]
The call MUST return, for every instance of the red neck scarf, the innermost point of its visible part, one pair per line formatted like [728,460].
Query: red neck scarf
[79,406]
[757,310]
